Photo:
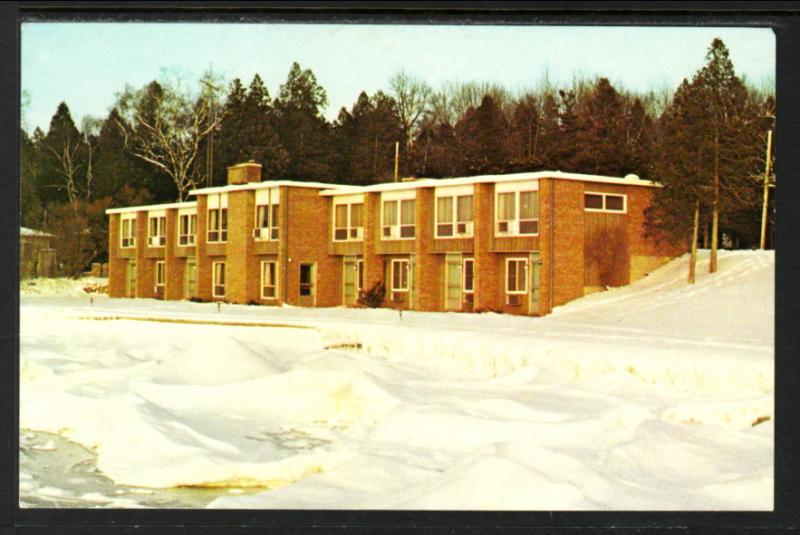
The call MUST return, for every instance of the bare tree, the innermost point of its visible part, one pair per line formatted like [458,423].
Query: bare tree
[67,159]
[165,123]
[90,129]
[412,96]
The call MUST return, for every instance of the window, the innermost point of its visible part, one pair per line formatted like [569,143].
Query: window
[218,272]
[398,219]
[469,275]
[267,215]
[217,225]
[454,216]
[348,222]
[187,229]
[359,275]
[269,280]
[516,270]
[517,213]
[156,234]
[306,279]
[161,273]
[127,232]
[604,202]
[400,275]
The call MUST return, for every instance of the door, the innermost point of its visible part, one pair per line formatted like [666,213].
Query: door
[535,274]
[308,284]
[130,285]
[453,282]
[350,280]
[190,289]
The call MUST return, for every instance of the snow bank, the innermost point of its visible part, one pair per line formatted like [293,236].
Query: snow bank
[635,398]
[64,287]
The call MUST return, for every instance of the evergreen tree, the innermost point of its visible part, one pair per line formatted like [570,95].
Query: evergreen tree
[247,132]
[31,208]
[482,135]
[62,159]
[301,128]
[365,139]
[601,133]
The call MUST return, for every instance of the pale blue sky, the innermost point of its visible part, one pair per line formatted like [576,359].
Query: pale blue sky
[86,64]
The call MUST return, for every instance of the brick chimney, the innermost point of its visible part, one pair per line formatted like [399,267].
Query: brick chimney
[242,173]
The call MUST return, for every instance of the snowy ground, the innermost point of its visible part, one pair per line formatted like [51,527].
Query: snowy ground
[643,397]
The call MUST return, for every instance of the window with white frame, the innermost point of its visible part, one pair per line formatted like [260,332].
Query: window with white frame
[348,221]
[453,216]
[267,214]
[400,275]
[604,202]
[161,274]
[269,279]
[398,219]
[516,280]
[217,225]
[517,213]
[156,233]
[468,273]
[218,279]
[127,232]
[187,229]
[359,275]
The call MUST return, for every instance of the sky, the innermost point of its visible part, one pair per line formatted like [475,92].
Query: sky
[87,64]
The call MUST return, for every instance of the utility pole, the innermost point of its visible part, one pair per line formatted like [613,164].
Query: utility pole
[766,192]
[396,159]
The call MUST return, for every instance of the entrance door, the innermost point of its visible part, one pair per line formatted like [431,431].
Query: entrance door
[350,279]
[453,282]
[130,284]
[308,284]
[190,288]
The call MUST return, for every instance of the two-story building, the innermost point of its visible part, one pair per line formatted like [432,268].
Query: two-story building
[518,243]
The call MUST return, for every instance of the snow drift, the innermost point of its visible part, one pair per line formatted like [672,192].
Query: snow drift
[654,396]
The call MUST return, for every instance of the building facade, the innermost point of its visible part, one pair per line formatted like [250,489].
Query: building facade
[518,243]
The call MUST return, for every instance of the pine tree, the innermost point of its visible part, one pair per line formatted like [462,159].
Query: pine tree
[61,173]
[600,132]
[301,128]
[483,137]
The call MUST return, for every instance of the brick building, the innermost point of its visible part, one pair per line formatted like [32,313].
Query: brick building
[518,243]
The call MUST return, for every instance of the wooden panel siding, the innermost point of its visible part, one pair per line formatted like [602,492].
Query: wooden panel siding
[265,246]
[394,246]
[453,245]
[216,249]
[508,244]
[155,252]
[346,248]
[185,251]
[605,249]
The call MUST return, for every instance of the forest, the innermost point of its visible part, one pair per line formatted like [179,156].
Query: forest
[706,142]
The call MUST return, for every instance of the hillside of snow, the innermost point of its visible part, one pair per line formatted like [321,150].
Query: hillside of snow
[659,395]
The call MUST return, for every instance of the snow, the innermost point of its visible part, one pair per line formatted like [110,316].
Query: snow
[25,231]
[638,398]
[64,287]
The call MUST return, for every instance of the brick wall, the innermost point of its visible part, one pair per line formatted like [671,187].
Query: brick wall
[307,235]
[428,267]
[373,263]
[117,265]
[240,284]
[203,259]
[175,265]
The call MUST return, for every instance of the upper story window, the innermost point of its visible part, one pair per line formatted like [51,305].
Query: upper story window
[127,231]
[604,202]
[454,215]
[187,228]
[267,214]
[348,221]
[398,216]
[157,230]
[516,212]
[217,221]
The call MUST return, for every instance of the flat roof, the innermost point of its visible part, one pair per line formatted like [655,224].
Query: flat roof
[148,207]
[512,177]
[265,184]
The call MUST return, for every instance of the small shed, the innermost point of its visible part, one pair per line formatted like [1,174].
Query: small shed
[37,258]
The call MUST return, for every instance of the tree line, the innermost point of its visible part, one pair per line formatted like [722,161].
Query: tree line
[704,142]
